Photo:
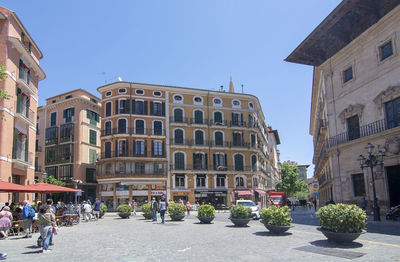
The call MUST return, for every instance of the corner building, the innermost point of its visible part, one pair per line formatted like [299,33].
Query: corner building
[199,145]
[20,56]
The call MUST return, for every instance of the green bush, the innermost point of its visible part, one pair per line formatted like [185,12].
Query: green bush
[275,215]
[146,208]
[240,212]
[103,209]
[342,218]
[176,209]
[124,208]
[206,211]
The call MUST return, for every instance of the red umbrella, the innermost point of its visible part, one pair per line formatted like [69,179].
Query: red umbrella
[50,188]
[10,187]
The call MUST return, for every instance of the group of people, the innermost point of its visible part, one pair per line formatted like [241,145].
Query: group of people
[161,207]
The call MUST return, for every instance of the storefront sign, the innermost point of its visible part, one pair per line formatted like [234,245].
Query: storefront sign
[157,193]
[181,194]
[210,192]
[315,186]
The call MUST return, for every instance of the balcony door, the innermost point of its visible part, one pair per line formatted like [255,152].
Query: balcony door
[353,127]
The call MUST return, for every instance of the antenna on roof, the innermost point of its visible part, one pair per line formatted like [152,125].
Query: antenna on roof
[242,88]
[104,75]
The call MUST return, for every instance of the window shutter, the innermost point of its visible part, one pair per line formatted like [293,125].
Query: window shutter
[194,155]
[15,141]
[206,161]
[152,148]
[65,113]
[226,161]
[163,109]
[145,107]
[215,161]
[163,148]
[73,111]
[151,108]
[241,118]
[28,76]
[116,107]
[133,107]
[145,148]
[127,107]
[26,149]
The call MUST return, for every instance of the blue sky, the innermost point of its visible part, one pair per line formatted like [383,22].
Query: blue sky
[197,44]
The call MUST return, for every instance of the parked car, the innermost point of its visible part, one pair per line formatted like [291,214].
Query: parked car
[255,210]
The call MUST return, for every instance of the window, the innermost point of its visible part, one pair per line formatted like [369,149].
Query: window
[347,74]
[157,128]
[156,108]
[392,115]
[353,127]
[30,47]
[157,148]
[252,122]
[36,147]
[200,180]
[140,168]
[157,93]
[139,91]
[93,117]
[217,102]
[107,150]
[239,162]
[108,109]
[255,182]
[254,163]
[386,50]
[66,172]
[109,93]
[90,175]
[51,135]
[198,137]
[158,168]
[235,103]
[122,126]
[358,184]
[139,127]
[122,90]
[237,119]
[199,161]
[198,100]
[123,106]
[108,128]
[239,182]
[218,118]
[179,161]
[92,156]
[198,117]
[92,137]
[251,106]
[68,97]
[220,161]
[93,100]
[179,180]
[221,180]
[53,101]
[52,171]
[140,107]
[252,140]
[23,38]
[122,148]
[68,114]
[178,99]
[67,133]
[53,119]
[140,148]
[178,136]
[237,139]
[178,115]
[219,138]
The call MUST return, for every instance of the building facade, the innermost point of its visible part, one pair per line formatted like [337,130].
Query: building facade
[302,170]
[355,100]
[183,143]
[20,56]
[68,140]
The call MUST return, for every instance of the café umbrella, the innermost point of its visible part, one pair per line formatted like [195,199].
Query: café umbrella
[50,188]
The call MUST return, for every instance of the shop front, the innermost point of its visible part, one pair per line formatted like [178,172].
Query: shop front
[217,198]
[243,194]
[260,198]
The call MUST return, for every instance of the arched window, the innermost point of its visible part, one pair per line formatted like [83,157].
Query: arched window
[255,182]
[108,108]
[218,118]
[122,126]
[157,128]
[239,162]
[199,137]
[219,138]
[252,140]
[239,182]
[139,127]
[200,161]
[178,115]
[198,117]
[178,136]
[108,128]
[254,162]
[107,149]
[179,161]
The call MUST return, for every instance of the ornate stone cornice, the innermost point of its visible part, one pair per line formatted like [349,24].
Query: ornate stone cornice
[351,110]
[389,94]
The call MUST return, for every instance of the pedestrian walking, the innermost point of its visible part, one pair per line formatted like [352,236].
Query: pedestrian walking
[27,215]
[363,204]
[96,209]
[188,208]
[5,221]
[47,224]
[134,207]
[154,208]
[87,209]
[315,204]
[163,208]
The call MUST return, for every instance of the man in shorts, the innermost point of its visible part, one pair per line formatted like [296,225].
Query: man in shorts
[96,209]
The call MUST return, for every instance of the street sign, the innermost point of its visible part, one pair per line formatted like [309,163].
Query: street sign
[315,185]
[316,193]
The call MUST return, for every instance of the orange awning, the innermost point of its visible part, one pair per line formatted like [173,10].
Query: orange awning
[50,188]
[260,192]
[10,187]
[244,193]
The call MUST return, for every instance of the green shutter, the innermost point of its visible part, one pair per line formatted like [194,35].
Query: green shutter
[73,111]
[15,142]
[26,148]
[65,113]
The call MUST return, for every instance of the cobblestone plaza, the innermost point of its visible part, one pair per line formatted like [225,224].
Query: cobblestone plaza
[135,239]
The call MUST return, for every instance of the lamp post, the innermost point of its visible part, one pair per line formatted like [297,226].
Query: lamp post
[76,182]
[370,161]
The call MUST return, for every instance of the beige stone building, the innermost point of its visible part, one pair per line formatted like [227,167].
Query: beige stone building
[202,145]
[20,55]
[355,99]
[68,140]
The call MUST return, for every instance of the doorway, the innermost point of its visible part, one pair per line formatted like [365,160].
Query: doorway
[393,177]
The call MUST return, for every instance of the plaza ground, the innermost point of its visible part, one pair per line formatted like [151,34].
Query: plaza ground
[113,239]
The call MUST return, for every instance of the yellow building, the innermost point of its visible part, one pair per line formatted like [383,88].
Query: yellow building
[68,140]
[215,145]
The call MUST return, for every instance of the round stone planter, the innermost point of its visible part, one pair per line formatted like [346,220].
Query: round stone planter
[205,220]
[124,215]
[275,229]
[147,215]
[177,217]
[339,237]
[240,222]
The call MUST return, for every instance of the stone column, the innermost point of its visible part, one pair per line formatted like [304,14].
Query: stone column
[130,193]
[149,193]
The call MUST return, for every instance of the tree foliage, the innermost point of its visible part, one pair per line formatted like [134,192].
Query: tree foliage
[53,181]
[3,75]
[291,184]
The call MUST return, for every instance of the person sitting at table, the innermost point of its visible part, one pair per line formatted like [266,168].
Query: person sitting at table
[5,221]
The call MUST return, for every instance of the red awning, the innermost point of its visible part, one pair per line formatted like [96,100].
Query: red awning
[21,133]
[10,187]
[244,193]
[49,188]
[260,192]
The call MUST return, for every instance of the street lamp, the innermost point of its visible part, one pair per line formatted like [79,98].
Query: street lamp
[44,175]
[370,161]
[76,182]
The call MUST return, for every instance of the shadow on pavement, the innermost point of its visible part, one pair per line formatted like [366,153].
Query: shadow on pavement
[328,244]
[269,234]
[32,247]
[32,252]
[387,228]
[233,226]
[199,223]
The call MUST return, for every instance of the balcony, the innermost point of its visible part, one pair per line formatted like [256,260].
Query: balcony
[23,112]
[22,156]
[133,131]
[67,133]
[39,169]
[115,169]
[51,135]
[215,122]
[127,153]
[194,121]
[179,120]
[236,123]
[205,168]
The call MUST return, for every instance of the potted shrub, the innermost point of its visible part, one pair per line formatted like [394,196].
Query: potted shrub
[103,210]
[341,223]
[206,213]
[124,210]
[176,211]
[146,209]
[240,215]
[276,218]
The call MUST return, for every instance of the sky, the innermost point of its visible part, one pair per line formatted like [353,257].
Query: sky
[197,44]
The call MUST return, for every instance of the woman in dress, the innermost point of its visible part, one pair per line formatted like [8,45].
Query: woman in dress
[5,221]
